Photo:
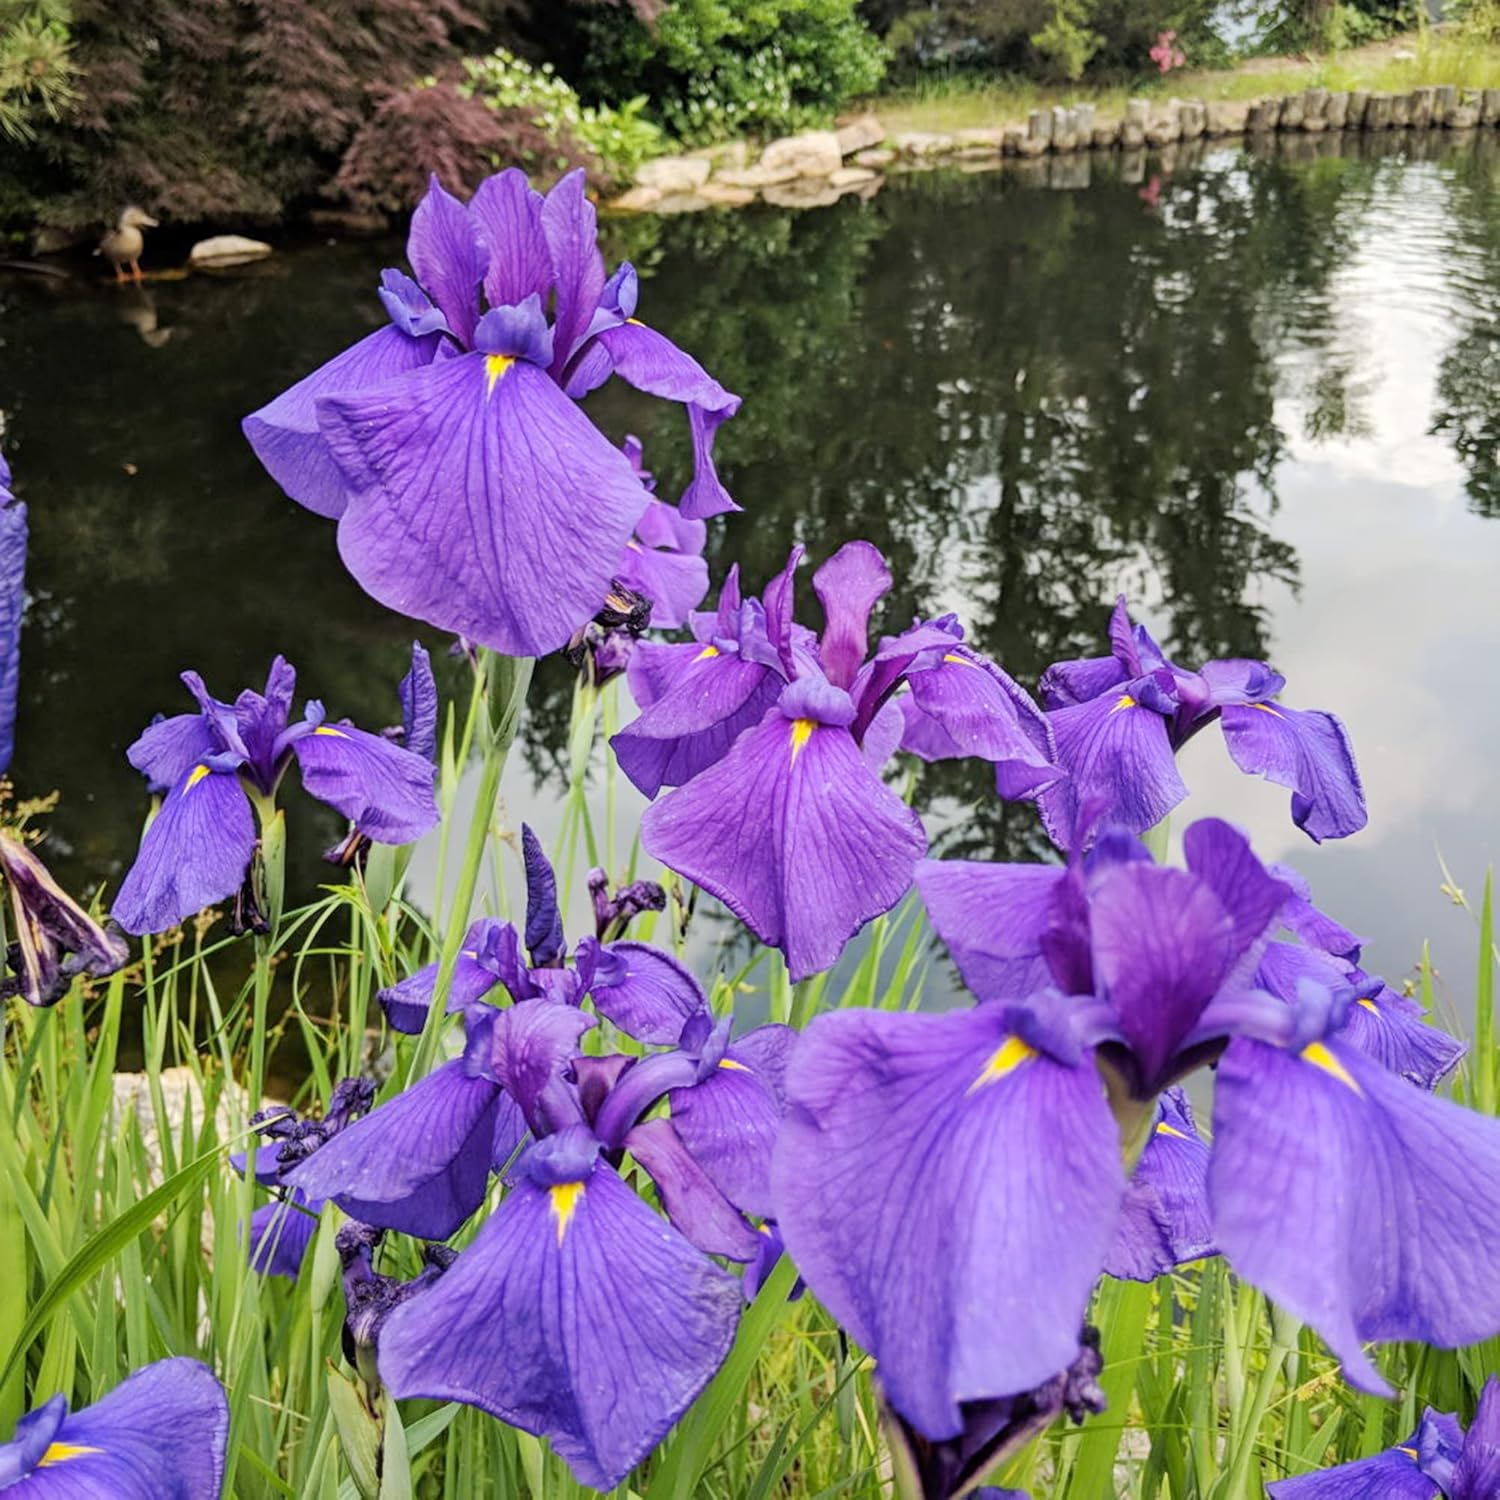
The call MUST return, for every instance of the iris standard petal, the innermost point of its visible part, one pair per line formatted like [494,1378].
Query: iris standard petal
[730,1120]
[407,1002]
[577,1314]
[1163,945]
[795,834]
[693,1202]
[1067,683]
[195,852]
[1307,751]
[508,211]
[419,705]
[465,509]
[849,585]
[284,433]
[1164,1221]
[544,924]
[693,724]
[992,917]
[1119,761]
[419,1163]
[571,228]
[1219,855]
[705,495]
[447,253]
[531,1047]
[161,1434]
[950,1196]
[384,790]
[648,994]
[1393,1193]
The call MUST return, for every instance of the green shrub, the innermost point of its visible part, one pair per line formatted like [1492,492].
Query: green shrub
[620,137]
[1065,41]
[36,71]
[718,68]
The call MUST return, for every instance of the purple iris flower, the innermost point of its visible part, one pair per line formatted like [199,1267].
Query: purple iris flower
[576,1313]
[54,938]
[161,1434]
[1119,720]
[1164,1218]
[932,1163]
[13,535]
[470,489]
[1438,1460]
[211,765]
[664,559]
[993,1430]
[774,739]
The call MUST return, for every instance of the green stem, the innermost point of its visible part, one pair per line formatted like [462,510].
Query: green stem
[1235,1487]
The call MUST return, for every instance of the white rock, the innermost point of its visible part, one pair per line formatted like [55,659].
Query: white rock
[674,174]
[228,250]
[816,153]
[848,177]
[724,195]
[859,133]
[758,177]
[638,199]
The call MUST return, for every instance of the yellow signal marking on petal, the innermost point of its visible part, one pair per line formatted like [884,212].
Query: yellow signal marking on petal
[333,734]
[60,1453]
[495,366]
[958,661]
[1004,1060]
[194,777]
[632,546]
[1320,1057]
[802,730]
[1124,701]
[732,1065]
[706,652]
[1411,1453]
[1370,1005]
[764,1229]
[635,322]
[1266,708]
[565,1196]
[1162,1128]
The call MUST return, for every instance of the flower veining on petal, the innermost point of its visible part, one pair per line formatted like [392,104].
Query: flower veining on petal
[802,730]
[1320,1057]
[1004,1060]
[194,777]
[565,1196]
[495,366]
[1123,701]
[60,1453]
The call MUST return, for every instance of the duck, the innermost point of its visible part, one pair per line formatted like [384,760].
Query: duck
[123,244]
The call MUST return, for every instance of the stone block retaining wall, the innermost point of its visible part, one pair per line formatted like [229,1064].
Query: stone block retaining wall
[819,166]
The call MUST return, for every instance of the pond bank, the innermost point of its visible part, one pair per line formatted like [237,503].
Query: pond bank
[817,168]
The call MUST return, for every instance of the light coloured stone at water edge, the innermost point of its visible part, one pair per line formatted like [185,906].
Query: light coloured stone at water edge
[1167,127]
[1193,118]
[881,156]
[1489,107]
[1106,137]
[1463,117]
[860,133]
[1400,111]
[1421,107]
[1336,111]
[805,192]
[638,199]
[849,177]
[674,174]
[1291,112]
[1015,140]
[1083,124]
[1133,126]
[722,195]
[757,177]
[1063,136]
[1445,101]
[983,135]
[727,155]
[814,153]
[228,250]
[1226,116]
[683,203]
[1359,109]
[923,143]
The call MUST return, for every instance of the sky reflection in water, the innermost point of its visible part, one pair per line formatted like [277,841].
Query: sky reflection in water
[1265,406]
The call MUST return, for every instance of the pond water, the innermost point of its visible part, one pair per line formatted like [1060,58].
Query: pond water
[1259,394]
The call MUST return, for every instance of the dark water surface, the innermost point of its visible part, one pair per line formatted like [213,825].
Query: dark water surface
[1262,398]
